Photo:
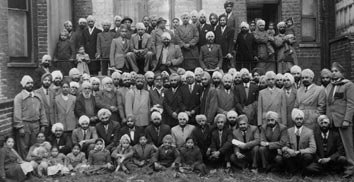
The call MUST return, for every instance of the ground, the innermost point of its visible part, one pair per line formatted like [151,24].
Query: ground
[170,176]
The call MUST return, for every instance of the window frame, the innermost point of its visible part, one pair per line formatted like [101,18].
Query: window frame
[307,39]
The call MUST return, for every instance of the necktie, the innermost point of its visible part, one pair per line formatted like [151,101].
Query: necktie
[244,136]
[84,135]
[324,140]
[306,89]
[190,88]
[297,133]
[157,131]
[220,138]
[246,90]
[140,42]
[106,128]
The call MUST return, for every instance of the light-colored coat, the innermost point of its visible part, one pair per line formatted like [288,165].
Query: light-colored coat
[271,100]
[48,103]
[188,34]
[146,43]
[290,103]
[137,103]
[307,143]
[64,112]
[118,53]
[174,55]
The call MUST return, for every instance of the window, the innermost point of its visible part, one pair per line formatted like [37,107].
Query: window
[309,20]
[19,28]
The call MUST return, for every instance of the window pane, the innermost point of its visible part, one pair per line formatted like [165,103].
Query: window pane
[308,29]
[17,25]
[309,7]
[18,4]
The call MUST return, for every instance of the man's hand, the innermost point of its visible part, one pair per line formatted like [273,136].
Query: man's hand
[345,124]
[82,142]
[239,155]
[215,154]
[324,160]
[229,56]
[264,144]
[174,115]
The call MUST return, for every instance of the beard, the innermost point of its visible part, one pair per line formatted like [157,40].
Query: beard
[325,83]
[324,129]
[139,86]
[216,83]
[156,124]
[227,87]
[246,80]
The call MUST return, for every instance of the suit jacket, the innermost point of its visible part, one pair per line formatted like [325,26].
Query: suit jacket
[90,41]
[233,22]
[340,106]
[115,31]
[290,103]
[174,55]
[104,100]
[188,34]
[156,137]
[252,138]
[48,102]
[225,145]
[246,47]
[240,96]
[205,100]
[156,39]
[156,97]
[190,101]
[271,101]
[122,91]
[118,52]
[64,142]
[104,41]
[171,103]
[276,138]
[225,40]
[64,112]
[202,34]
[78,135]
[125,130]
[37,76]
[210,59]
[77,38]
[111,131]
[307,143]
[202,138]
[137,103]
[334,145]
[146,43]
[80,106]
[224,101]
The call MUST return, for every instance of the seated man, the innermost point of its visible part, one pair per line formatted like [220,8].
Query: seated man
[330,155]
[60,139]
[156,130]
[246,145]
[301,144]
[183,130]
[85,135]
[131,130]
[106,128]
[273,138]
[210,57]
[201,134]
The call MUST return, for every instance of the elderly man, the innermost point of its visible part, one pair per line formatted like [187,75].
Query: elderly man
[121,93]
[279,80]
[301,144]
[326,75]
[85,135]
[137,103]
[340,104]
[74,75]
[29,116]
[172,101]
[130,129]
[106,128]
[271,99]
[183,130]
[57,80]
[107,98]
[74,88]
[232,120]
[232,19]
[156,130]
[246,47]
[149,80]
[77,37]
[90,43]
[273,138]
[330,152]
[310,98]
[116,78]
[296,72]
[141,45]
[60,139]
[246,95]
[43,68]
[290,96]
[245,141]
[156,35]
[95,82]
[210,57]
[86,103]
[263,39]
[202,134]
[224,36]
[187,37]
[104,41]
[157,94]
[116,29]
[120,47]
[203,29]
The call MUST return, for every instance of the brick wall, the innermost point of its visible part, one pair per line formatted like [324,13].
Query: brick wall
[342,51]
[41,28]
[240,9]
[81,9]
[6,113]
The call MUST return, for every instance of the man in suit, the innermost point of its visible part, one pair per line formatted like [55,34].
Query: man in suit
[168,56]
[128,22]
[326,75]
[106,128]
[90,44]
[146,21]
[330,152]
[59,139]
[187,37]
[85,135]
[120,47]
[172,101]
[202,134]
[77,37]
[43,68]
[205,97]
[310,98]
[121,93]
[157,94]
[190,97]
[129,129]
[296,72]
[245,47]
[301,145]
[340,104]
[142,49]
[149,80]
[86,103]
[117,22]
[104,41]
[107,98]
[203,29]
[156,35]
[157,130]
[64,109]
[210,57]
[183,130]
[245,151]
[290,96]
[271,99]
[246,95]
[273,138]
[214,20]
[224,36]
[232,20]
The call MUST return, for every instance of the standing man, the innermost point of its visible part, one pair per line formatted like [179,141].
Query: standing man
[214,20]
[172,101]
[246,47]
[203,29]
[290,95]
[340,109]
[231,18]
[156,35]
[296,72]
[326,75]
[117,19]
[146,21]
[104,40]
[77,37]
[29,116]
[43,68]
[90,44]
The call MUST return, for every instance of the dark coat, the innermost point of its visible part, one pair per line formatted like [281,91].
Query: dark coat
[334,145]
[225,40]
[125,130]
[64,142]
[246,47]
[225,145]
[202,34]
[152,135]
[90,41]
[108,137]
[104,101]
[156,97]
[202,138]
[80,107]
[171,103]
[190,101]
[37,76]
[277,138]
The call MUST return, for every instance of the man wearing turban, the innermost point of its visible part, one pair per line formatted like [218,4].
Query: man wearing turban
[263,40]
[104,40]
[43,68]
[60,139]
[157,39]
[290,95]
[210,57]
[246,46]
[232,19]
[90,43]
[85,135]
[326,75]
[203,29]
[107,98]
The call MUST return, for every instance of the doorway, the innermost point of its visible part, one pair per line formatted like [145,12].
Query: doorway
[268,10]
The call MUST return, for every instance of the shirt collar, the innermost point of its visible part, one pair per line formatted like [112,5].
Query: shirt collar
[300,129]
[325,134]
[27,94]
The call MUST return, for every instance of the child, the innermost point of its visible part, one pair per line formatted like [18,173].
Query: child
[271,33]
[167,155]
[99,158]
[143,153]
[57,162]
[76,159]
[191,158]
[123,154]
[64,53]
[82,60]
[290,32]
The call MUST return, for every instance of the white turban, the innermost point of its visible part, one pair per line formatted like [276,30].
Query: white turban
[83,118]
[74,71]
[232,71]
[272,114]
[149,74]
[323,117]
[200,117]
[125,137]
[133,74]
[116,74]
[156,115]
[279,76]
[57,74]
[165,74]
[227,77]
[57,126]
[202,13]
[237,74]
[270,74]
[95,79]
[195,13]
[290,77]
[140,26]
[106,80]
[231,113]
[281,24]
[210,33]
[91,18]
[189,74]
[183,115]
[126,75]
[103,111]
[297,112]
[185,14]
[181,71]
[25,79]
[106,22]
[166,35]
[85,84]
[82,20]
[326,72]
[244,71]
[245,24]
[260,22]
[216,74]
[198,71]
[117,18]
[308,72]
[295,69]
[46,57]
[74,84]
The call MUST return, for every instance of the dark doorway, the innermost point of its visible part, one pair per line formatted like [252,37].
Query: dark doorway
[267,11]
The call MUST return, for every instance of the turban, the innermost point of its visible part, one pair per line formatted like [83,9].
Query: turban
[74,84]
[290,77]
[323,117]
[149,74]
[116,74]
[57,74]
[231,113]
[218,116]
[133,74]
[126,75]
[210,33]
[339,67]
[183,115]
[156,115]
[105,80]
[189,74]
[216,74]
[326,72]
[140,26]
[195,13]
[106,22]
[272,114]
[297,112]
[25,79]
[183,78]
[73,72]
[181,71]
[307,72]
[140,77]
[167,138]
[83,119]
[46,57]
[90,18]
[260,22]
[103,111]
[295,69]
[270,74]
[206,75]
[82,20]
[281,24]
[175,75]
[237,74]
[124,138]
[200,117]
[86,84]
[262,78]
[166,35]
[227,77]
[198,71]
[85,76]
[95,79]
[228,3]
[232,71]
[46,75]
[242,117]
[244,71]
[245,25]
[117,17]
[185,14]
[164,74]
[202,13]
[57,126]
[279,76]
